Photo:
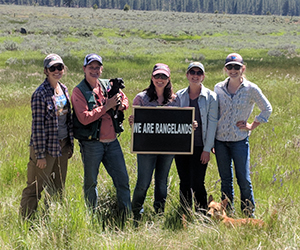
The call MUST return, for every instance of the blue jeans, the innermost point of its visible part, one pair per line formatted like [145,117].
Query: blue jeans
[239,153]
[110,154]
[146,165]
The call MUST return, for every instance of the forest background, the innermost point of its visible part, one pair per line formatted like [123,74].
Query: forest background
[131,43]
[251,7]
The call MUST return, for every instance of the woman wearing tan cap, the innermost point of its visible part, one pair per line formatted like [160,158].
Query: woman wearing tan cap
[51,143]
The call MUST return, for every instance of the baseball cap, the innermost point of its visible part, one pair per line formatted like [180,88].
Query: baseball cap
[196,65]
[234,58]
[161,68]
[52,59]
[92,57]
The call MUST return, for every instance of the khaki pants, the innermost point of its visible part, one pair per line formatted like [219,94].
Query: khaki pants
[52,178]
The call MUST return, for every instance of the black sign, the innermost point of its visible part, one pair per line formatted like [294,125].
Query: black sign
[162,130]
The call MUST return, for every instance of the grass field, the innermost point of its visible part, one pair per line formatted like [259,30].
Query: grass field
[130,44]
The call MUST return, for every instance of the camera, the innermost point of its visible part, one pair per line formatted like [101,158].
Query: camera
[115,86]
[118,115]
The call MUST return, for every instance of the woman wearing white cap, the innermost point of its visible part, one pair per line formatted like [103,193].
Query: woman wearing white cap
[237,97]
[51,143]
[158,93]
[192,168]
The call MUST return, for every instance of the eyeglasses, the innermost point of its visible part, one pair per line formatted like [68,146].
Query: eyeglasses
[233,66]
[59,67]
[162,76]
[193,72]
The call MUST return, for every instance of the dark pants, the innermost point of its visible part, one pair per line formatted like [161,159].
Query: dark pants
[192,180]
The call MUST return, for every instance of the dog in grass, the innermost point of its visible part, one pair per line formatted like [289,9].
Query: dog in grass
[216,210]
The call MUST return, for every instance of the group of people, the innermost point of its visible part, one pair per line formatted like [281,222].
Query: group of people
[221,126]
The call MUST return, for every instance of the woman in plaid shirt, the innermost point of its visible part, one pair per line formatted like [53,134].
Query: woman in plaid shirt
[51,143]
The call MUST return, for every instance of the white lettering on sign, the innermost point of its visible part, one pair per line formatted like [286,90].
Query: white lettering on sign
[163,128]
[137,128]
[148,128]
[173,128]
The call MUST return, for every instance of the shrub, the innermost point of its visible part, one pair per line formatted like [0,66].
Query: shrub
[95,6]
[275,53]
[126,7]
[11,61]
[198,57]
[10,45]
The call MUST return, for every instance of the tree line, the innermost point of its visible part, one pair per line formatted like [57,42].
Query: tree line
[252,7]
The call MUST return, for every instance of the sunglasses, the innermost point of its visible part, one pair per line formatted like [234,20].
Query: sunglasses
[94,68]
[162,76]
[59,67]
[193,72]
[233,66]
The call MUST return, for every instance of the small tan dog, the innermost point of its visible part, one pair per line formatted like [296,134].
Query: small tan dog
[217,211]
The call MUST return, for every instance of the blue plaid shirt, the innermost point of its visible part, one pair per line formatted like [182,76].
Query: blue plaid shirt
[44,130]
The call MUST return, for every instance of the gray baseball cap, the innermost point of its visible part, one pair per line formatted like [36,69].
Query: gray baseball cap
[196,65]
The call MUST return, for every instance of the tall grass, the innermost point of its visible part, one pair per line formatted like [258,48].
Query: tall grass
[131,43]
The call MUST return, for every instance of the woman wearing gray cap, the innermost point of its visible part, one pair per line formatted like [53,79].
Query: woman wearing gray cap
[237,97]
[51,143]
[192,168]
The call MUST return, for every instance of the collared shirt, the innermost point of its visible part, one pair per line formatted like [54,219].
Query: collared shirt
[107,130]
[238,107]
[208,107]
[44,129]
[142,99]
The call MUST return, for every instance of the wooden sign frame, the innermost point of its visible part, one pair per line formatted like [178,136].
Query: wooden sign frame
[162,130]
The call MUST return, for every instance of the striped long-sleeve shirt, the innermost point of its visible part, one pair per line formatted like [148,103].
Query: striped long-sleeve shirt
[238,107]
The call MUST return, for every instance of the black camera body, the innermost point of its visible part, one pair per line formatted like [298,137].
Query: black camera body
[118,115]
[117,84]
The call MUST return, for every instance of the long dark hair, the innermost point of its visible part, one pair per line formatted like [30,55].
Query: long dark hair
[168,92]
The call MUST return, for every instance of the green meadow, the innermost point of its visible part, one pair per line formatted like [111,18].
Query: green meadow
[130,44]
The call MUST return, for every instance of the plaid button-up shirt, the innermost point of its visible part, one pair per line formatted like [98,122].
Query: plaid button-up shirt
[44,130]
